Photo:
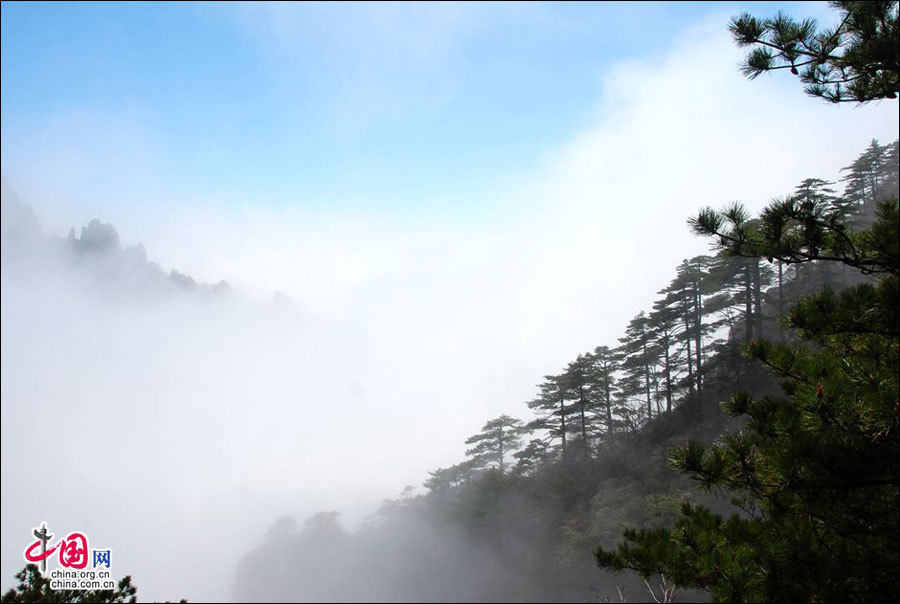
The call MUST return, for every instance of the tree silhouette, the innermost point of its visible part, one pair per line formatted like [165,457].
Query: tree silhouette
[857,61]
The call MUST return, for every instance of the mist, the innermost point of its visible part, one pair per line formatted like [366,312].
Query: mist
[183,414]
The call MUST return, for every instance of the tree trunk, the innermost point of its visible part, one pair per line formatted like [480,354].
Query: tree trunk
[757,297]
[748,303]
[687,341]
[647,377]
[609,424]
[583,423]
[698,334]
[562,416]
[780,288]
[500,446]
[668,375]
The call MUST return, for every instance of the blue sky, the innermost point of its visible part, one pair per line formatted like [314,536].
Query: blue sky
[340,153]
[395,105]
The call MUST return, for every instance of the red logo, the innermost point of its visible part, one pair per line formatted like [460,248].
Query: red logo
[73,551]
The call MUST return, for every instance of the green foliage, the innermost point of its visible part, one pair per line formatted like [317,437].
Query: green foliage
[816,471]
[857,61]
[534,455]
[634,357]
[603,361]
[450,480]
[797,231]
[868,178]
[620,503]
[812,468]
[550,405]
[34,587]
[498,438]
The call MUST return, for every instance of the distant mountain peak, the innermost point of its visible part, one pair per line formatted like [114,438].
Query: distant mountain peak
[97,253]
[98,237]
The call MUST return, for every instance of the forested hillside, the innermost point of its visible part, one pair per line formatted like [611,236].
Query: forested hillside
[792,323]
[520,516]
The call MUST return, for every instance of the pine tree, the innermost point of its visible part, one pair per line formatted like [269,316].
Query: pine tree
[662,323]
[692,271]
[550,406]
[532,456]
[857,61]
[816,470]
[735,288]
[604,368]
[684,296]
[450,480]
[865,176]
[579,389]
[634,358]
[498,438]
[892,172]
[819,191]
